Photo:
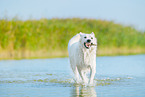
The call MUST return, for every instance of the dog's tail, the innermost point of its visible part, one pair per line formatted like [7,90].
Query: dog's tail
[73,40]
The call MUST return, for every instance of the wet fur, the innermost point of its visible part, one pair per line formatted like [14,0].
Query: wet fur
[82,60]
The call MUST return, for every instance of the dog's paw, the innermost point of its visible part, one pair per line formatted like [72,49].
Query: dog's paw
[91,83]
[85,83]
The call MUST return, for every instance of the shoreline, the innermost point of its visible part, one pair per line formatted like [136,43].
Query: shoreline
[44,54]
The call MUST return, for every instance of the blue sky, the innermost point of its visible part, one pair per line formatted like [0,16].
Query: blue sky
[127,12]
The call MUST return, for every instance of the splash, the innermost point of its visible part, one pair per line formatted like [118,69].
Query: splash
[70,82]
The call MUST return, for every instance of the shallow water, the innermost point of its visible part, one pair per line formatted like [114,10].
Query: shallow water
[118,76]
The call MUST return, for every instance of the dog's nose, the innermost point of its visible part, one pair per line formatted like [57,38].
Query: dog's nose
[88,40]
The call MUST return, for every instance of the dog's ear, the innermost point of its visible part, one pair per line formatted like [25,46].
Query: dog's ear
[93,33]
[81,34]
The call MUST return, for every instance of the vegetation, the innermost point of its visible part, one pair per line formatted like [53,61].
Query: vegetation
[49,37]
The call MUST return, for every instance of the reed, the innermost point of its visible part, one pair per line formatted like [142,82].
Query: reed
[49,37]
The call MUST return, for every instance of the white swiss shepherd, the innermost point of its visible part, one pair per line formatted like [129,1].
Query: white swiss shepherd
[82,55]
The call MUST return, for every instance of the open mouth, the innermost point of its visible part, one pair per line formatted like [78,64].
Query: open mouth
[87,45]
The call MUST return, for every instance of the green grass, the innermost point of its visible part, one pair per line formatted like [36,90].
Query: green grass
[49,37]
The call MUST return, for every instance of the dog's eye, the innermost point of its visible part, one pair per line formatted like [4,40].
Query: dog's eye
[91,37]
[85,37]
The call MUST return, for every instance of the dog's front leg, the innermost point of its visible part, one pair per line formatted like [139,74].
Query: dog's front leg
[83,76]
[92,75]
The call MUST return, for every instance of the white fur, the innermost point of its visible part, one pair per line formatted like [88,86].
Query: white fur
[83,60]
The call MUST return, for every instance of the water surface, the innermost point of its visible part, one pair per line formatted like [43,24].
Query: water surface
[117,76]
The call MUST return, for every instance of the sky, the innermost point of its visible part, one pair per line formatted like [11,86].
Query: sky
[127,12]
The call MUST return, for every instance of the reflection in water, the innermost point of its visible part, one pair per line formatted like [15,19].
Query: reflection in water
[81,91]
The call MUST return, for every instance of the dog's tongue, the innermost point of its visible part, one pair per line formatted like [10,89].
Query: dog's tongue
[88,44]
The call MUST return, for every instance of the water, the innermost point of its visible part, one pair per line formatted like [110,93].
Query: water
[118,76]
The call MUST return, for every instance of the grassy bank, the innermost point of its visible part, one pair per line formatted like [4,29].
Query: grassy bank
[49,37]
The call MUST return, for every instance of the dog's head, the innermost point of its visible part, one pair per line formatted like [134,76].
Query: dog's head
[88,40]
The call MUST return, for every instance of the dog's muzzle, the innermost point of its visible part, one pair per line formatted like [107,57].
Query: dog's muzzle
[88,45]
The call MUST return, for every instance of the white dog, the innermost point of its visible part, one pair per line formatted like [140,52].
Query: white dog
[82,55]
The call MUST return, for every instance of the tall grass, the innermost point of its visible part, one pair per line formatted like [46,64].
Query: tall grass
[50,37]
